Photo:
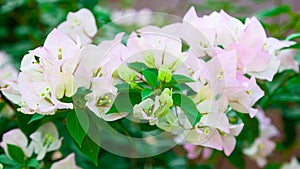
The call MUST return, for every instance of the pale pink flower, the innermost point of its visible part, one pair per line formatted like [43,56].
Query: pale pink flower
[80,26]
[101,99]
[229,140]
[101,60]
[263,146]
[18,138]
[45,139]
[159,43]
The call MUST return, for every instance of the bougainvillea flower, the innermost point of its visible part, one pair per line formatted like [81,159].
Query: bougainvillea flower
[263,146]
[229,140]
[80,26]
[45,139]
[17,138]
[101,99]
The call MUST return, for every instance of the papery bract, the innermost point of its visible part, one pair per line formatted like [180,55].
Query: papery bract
[18,138]
[66,163]
[45,139]
[80,26]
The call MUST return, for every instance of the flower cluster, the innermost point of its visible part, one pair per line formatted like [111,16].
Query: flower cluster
[44,140]
[185,78]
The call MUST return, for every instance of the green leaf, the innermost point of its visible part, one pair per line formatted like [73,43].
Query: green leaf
[286,97]
[16,153]
[77,129]
[146,93]
[289,130]
[293,36]
[138,66]
[278,10]
[272,166]
[179,79]
[90,149]
[124,102]
[236,158]
[33,163]
[188,106]
[250,130]
[151,76]
[6,161]
[36,117]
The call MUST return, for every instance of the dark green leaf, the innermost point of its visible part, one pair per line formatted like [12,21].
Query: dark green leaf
[124,102]
[250,130]
[36,117]
[123,87]
[188,106]
[77,129]
[16,153]
[289,130]
[236,159]
[287,97]
[8,162]
[146,93]
[138,66]
[90,149]
[151,76]
[33,163]
[179,79]
[272,166]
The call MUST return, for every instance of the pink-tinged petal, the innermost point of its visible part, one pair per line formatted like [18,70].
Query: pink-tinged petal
[236,129]
[254,90]
[212,140]
[259,62]
[193,151]
[228,60]
[287,58]
[45,132]
[252,112]
[80,26]
[68,162]
[57,41]
[267,148]
[217,120]
[269,72]
[228,144]
[114,116]
[206,153]
[198,42]
[253,31]
[191,15]
[17,138]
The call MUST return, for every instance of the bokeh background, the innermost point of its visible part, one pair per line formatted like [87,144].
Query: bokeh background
[24,24]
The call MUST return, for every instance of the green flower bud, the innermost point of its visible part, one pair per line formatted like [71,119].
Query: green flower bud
[149,59]
[127,74]
[166,98]
[164,74]
[161,111]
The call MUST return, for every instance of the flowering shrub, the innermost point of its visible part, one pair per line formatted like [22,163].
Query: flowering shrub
[194,83]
